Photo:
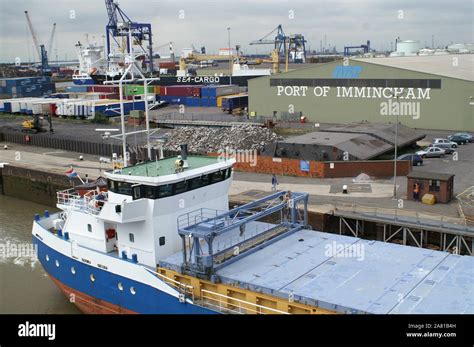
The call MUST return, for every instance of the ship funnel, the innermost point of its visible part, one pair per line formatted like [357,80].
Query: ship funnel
[184,155]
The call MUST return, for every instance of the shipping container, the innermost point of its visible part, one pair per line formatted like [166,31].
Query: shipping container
[197,91]
[42,106]
[103,89]
[231,102]
[59,96]
[77,89]
[157,90]
[170,65]
[185,90]
[5,105]
[212,102]
[205,102]
[109,96]
[130,89]
[174,100]
[113,109]
[193,101]
[219,90]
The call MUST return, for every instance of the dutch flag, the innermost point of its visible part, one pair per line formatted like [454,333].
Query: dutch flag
[71,173]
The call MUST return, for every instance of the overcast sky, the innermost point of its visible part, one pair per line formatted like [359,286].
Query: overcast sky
[344,22]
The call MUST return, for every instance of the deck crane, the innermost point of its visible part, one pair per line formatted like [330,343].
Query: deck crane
[119,25]
[40,48]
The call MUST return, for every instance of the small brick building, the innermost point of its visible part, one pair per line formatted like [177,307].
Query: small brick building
[439,184]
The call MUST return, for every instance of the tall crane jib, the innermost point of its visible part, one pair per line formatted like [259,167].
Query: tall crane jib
[119,25]
[40,48]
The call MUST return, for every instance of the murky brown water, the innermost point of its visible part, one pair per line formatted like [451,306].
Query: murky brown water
[24,286]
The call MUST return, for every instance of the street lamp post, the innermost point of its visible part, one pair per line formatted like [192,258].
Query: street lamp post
[395,159]
[230,57]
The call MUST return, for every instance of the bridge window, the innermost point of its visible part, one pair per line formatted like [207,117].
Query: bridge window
[180,187]
[89,228]
[161,240]
[151,192]
[131,237]
[195,183]
[217,176]
[164,191]
[158,192]
[124,188]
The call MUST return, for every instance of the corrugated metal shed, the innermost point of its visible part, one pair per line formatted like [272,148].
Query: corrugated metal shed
[352,275]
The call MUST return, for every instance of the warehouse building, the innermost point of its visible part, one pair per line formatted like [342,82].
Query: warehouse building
[425,92]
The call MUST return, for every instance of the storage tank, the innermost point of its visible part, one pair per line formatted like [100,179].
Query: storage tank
[408,47]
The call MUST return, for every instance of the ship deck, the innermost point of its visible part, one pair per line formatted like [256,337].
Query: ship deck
[352,275]
[167,166]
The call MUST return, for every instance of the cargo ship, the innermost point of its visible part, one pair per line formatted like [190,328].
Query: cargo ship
[160,238]
[90,62]
[240,76]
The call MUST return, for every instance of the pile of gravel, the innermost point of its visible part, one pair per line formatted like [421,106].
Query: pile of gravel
[204,140]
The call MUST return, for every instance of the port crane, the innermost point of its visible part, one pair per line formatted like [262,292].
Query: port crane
[40,48]
[365,48]
[285,46]
[119,25]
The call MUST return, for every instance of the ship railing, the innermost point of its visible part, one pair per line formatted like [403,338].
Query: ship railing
[71,198]
[87,202]
[186,290]
[94,205]
[227,304]
[197,216]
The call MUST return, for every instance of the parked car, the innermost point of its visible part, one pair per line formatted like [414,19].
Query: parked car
[446,146]
[460,140]
[452,144]
[415,159]
[431,152]
[469,137]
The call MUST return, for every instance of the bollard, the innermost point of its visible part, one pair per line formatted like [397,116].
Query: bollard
[135,258]
[124,255]
[37,217]
[46,214]
[66,236]
[60,233]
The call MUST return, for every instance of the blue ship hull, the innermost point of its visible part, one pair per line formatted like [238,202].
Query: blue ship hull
[103,294]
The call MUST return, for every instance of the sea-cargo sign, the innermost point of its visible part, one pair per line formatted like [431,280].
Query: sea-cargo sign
[417,89]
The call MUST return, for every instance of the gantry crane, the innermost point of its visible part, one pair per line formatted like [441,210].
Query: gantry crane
[284,45]
[120,25]
[40,48]
[365,48]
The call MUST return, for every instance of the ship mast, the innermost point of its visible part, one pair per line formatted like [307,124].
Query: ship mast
[132,73]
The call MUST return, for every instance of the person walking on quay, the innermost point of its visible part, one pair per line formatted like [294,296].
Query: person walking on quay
[274,182]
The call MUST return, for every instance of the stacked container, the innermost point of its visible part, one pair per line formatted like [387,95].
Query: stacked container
[213,92]
[27,86]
